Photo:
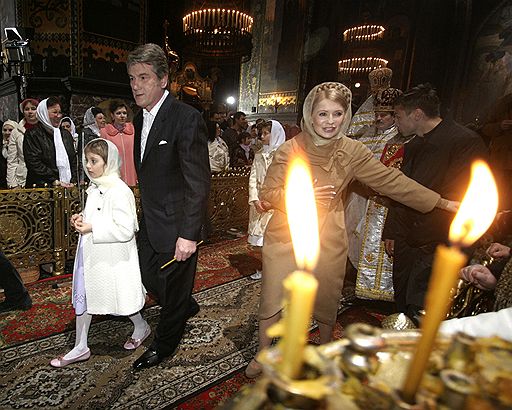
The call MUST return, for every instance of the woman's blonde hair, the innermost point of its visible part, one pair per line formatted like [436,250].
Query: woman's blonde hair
[334,92]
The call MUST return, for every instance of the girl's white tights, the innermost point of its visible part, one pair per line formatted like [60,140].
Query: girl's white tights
[140,325]
[83,322]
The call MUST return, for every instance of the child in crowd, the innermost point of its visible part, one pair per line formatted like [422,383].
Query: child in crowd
[106,276]
[272,136]
[243,154]
[218,151]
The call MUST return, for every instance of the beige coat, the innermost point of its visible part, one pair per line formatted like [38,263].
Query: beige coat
[337,163]
[258,222]
[16,168]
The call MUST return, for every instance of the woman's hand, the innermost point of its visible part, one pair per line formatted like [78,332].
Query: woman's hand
[447,205]
[261,206]
[389,246]
[479,276]
[83,227]
[258,206]
[324,194]
[497,250]
[74,219]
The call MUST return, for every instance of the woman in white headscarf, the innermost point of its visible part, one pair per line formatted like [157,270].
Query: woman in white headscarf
[94,121]
[16,168]
[68,124]
[335,161]
[49,152]
[272,135]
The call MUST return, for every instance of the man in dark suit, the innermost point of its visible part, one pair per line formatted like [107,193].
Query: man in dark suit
[438,157]
[171,159]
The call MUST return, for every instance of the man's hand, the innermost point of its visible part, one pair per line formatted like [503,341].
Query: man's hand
[184,249]
[479,276]
[497,250]
[389,246]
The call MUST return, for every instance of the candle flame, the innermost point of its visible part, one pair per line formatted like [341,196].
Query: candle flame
[302,215]
[478,208]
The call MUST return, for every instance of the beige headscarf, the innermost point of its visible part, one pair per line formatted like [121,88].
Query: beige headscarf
[307,111]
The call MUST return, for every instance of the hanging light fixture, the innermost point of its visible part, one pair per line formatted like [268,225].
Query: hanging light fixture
[361,50]
[219,30]
[367,32]
[359,65]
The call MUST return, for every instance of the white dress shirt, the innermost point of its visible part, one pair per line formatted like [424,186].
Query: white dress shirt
[147,122]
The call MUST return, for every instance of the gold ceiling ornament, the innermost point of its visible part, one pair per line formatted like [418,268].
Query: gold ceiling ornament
[219,30]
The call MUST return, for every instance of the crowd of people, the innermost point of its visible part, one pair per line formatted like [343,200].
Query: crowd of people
[387,182]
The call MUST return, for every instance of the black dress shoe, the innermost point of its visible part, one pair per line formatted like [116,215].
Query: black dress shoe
[193,308]
[148,359]
[6,306]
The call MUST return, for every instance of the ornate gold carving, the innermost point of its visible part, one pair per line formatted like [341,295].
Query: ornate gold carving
[35,229]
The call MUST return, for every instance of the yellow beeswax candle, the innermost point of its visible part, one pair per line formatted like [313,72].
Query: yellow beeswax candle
[301,287]
[475,215]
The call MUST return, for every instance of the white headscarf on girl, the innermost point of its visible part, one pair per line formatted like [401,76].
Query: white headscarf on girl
[61,155]
[90,122]
[307,111]
[277,137]
[111,174]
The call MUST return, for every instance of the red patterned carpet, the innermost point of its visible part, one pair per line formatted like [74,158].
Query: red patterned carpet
[220,262]
[223,262]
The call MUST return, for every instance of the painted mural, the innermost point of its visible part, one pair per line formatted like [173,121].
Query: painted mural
[490,75]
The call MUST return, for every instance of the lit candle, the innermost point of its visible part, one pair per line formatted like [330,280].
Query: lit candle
[475,215]
[301,286]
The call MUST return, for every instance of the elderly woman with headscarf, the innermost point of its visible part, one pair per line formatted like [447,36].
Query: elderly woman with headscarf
[335,161]
[16,168]
[49,151]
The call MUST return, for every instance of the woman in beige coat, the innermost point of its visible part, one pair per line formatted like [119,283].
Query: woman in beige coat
[335,161]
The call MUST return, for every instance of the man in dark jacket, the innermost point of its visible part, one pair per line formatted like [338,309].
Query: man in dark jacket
[438,157]
[171,159]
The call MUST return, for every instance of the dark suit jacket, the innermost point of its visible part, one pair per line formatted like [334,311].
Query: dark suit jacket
[441,161]
[174,175]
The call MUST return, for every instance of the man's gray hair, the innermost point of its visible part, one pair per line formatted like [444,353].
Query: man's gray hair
[151,54]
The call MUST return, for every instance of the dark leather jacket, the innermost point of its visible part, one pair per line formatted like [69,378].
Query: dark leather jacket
[39,152]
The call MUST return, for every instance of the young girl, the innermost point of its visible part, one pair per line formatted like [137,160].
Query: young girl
[243,154]
[106,278]
[272,136]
